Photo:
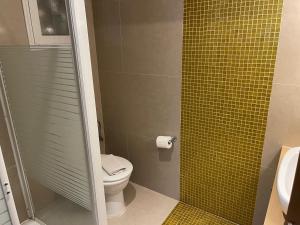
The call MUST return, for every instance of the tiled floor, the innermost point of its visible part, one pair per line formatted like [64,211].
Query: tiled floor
[145,207]
[184,214]
[65,212]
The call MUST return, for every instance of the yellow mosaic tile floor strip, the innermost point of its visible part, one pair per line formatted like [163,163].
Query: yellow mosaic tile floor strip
[184,214]
[229,53]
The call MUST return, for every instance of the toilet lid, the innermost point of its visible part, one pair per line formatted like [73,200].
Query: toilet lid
[120,176]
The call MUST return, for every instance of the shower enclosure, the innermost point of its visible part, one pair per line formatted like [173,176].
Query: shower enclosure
[48,101]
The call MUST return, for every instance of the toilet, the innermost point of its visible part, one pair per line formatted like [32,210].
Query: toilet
[114,186]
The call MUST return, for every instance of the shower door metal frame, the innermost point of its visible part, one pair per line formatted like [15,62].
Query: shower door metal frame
[81,48]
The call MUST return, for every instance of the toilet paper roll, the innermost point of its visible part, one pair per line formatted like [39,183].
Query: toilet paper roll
[164,142]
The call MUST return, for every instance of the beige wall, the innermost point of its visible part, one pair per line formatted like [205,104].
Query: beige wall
[12,24]
[284,113]
[94,59]
[139,47]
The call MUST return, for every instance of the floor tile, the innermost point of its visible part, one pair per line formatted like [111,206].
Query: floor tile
[144,207]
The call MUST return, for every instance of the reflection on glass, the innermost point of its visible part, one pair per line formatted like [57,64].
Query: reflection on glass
[44,100]
[53,17]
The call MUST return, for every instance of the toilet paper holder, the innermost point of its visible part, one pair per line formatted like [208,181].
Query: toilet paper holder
[172,141]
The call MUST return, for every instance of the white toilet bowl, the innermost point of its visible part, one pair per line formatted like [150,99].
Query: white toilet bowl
[114,186]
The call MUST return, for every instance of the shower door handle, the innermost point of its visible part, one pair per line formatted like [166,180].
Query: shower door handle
[6,188]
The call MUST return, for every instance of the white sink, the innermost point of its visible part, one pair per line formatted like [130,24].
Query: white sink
[285,177]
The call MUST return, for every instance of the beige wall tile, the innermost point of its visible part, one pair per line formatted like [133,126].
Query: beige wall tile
[108,34]
[94,59]
[283,123]
[263,194]
[147,104]
[117,143]
[152,36]
[157,169]
[141,108]
[139,47]
[288,56]
[12,23]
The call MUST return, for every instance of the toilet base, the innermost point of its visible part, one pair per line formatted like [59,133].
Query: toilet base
[115,205]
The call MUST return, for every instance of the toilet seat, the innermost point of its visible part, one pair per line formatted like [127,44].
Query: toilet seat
[120,176]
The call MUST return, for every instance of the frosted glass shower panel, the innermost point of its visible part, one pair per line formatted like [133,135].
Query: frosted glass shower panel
[43,97]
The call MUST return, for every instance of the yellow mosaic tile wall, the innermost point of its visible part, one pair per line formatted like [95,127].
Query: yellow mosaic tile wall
[228,64]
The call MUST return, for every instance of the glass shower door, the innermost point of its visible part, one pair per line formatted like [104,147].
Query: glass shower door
[46,92]
[43,97]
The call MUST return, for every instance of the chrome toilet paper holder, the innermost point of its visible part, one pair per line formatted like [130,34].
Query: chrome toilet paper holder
[172,141]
